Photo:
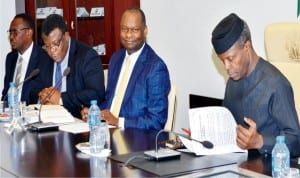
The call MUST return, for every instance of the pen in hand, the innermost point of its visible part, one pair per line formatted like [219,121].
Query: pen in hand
[187,131]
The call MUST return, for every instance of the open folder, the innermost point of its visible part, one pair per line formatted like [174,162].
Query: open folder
[215,124]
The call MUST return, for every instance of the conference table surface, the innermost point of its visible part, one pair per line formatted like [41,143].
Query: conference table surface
[53,154]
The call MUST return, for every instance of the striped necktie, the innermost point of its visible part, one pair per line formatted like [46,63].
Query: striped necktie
[120,92]
[18,71]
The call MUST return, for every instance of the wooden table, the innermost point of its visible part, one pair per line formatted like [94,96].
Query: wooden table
[53,154]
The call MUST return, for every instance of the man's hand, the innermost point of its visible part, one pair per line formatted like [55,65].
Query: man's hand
[49,96]
[44,95]
[249,138]
[109,118]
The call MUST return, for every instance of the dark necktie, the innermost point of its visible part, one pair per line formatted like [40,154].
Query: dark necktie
[58,77]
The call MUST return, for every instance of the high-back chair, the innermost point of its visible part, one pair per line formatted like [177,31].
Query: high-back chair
[105,72]
[171,109]
[282,44]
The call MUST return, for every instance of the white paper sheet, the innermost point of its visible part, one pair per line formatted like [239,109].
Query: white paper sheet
[215,124]
[76,127]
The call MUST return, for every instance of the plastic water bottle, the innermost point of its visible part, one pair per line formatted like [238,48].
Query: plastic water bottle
[94,119]
[280,158]
[13,101]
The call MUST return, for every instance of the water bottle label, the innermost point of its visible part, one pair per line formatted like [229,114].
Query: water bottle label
[12,100]
[280,165]
[9,100]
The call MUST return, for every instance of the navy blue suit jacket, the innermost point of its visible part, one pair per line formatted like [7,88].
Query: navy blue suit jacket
[85,81]
[38,55]
[145,104]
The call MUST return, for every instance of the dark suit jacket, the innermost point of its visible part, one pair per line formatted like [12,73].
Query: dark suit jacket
[38,55]
[145,104]
[85,81]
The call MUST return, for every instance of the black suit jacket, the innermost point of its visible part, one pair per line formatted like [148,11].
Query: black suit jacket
[85,81]
[38,55]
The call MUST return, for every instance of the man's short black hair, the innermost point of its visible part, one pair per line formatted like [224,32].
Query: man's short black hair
[52,22]
[27,19]
[139,10]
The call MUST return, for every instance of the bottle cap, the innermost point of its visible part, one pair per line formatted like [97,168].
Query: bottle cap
[93,102]
[11,84]
[280,139]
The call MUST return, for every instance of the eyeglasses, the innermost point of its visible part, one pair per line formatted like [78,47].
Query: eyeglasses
[132,30]
[15,32]
[54,46]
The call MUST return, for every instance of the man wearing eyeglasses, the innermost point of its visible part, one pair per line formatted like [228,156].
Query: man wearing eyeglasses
[24,57]
[85,81]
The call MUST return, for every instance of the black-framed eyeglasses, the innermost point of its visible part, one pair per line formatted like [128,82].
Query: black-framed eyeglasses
[54,46]
[15,32]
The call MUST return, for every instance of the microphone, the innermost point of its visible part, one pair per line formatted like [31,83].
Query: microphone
[34,73]
[163,154]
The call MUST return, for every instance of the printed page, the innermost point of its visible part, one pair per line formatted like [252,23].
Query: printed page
[215,124]
[55,114]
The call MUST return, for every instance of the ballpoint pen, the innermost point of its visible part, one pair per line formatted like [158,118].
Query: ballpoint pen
[187,131]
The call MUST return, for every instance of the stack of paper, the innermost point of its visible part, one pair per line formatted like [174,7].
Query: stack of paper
[55,114]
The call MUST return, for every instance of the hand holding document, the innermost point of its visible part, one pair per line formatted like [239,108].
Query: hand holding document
[215,124]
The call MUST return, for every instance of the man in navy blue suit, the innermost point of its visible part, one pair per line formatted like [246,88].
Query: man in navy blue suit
[30,55]
[85,81]
[145,102]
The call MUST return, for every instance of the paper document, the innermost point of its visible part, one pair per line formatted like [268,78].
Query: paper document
[55,114]
[215,124]
[76,127]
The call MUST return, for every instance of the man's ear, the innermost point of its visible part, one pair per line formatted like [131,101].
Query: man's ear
[247,45]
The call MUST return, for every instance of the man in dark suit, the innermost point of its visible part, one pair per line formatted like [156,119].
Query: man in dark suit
[145,101]
[24,53]
[85,81]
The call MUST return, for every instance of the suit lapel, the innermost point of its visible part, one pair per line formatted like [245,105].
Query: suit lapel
[113,77]
[13,66]
[137,70]
[32,61]
[70,64]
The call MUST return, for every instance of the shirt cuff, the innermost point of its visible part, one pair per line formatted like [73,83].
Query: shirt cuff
[121,122]
[61,102]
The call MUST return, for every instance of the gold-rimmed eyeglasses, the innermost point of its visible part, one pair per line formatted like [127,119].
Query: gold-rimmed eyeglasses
[55,45]
[15,32]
